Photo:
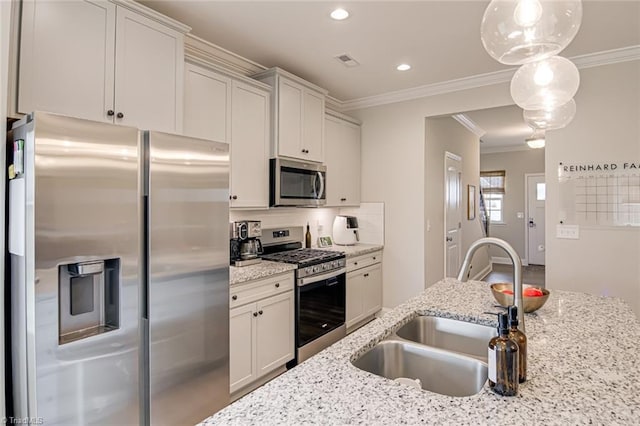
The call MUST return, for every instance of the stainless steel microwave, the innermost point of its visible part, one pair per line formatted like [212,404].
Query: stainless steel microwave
[296,183]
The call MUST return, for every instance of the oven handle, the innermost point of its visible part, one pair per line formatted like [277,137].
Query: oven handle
[314,279]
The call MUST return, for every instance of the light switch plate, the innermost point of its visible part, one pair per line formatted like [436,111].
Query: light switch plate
[569,232]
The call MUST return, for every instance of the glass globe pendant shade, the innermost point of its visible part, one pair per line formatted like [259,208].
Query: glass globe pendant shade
[550,119]
[545,84]
[520,31]
[536,140]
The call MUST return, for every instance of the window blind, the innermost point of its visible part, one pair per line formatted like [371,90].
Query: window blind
[493,182]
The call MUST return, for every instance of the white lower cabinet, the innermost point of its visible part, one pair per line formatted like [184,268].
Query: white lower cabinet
[261,328]
[364,289]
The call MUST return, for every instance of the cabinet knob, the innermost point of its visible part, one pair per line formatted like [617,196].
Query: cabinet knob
[255,314]
[110,113]
[260,312]
[120,115]
[234,297]
[343,199]
[355,263]
[366,275]
[235,197]
[374,258]
[277,285]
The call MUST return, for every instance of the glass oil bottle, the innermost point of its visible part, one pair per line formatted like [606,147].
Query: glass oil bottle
[521,339]
[503,360]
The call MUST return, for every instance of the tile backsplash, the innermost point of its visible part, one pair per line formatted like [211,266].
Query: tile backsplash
[370,220]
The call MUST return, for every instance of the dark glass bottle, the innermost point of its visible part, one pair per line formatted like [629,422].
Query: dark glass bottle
[307,237]
[503,360]
[521,339]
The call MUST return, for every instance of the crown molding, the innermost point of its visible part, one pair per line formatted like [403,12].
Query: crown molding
[509,148]
[607,57]
[201,51]
[471,125]
[153,15]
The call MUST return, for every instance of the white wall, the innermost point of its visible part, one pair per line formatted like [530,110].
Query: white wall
[446,134]
[515,164]
[606,128]
[393,172]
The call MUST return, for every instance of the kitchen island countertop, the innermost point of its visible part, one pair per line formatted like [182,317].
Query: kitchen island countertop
[583,367]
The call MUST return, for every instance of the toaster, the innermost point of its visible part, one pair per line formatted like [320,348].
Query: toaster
[345,230]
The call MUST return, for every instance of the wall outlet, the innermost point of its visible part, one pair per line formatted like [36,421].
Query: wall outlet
[569,232]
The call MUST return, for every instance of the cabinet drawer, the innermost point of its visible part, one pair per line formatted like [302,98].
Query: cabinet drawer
[364,260]
[252,291]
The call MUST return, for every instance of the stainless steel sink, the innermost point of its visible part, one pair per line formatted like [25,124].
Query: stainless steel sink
[449,334]
[439,371]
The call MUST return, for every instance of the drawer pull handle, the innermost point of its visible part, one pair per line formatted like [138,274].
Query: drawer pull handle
[260,312]
[277,285]
[255,314]
[234,297]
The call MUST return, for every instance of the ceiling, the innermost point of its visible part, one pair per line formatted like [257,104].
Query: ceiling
[500,127]
[440,39]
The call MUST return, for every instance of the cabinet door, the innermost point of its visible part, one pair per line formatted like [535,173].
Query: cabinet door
[149,73]
[313,126]
[372,289]
[242,349]
[207,104]
[290,97]
[275,338]
[342,158]
[67,58]
[354,305]
[249,147]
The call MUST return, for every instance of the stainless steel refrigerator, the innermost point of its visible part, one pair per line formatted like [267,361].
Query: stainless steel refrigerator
[119,251]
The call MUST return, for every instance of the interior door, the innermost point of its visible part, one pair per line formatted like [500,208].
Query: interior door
[453,213]
[536,194]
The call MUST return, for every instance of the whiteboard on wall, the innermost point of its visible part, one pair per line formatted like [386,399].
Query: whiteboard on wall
[600,194]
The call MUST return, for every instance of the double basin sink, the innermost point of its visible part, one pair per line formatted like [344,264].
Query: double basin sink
[447,356]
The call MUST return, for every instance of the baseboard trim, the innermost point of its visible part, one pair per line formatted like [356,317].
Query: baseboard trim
[483,273]
[506,261]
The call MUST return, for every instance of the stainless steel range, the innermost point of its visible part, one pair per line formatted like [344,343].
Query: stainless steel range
[320,289]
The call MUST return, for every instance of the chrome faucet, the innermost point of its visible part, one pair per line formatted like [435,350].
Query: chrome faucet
[517,270]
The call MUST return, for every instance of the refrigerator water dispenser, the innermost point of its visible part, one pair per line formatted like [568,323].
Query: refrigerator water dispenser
[88,298]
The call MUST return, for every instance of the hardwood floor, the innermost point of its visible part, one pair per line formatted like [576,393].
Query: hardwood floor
[532,274]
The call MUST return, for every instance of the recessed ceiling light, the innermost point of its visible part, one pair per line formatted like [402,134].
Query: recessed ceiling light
[403,67]
[339,14]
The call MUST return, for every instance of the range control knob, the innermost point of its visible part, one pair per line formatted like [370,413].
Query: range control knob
[308,270]
[324,266]
[334,264]
[316,269]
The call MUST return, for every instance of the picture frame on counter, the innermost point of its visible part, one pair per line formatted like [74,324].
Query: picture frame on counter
[325,241]
[471,202]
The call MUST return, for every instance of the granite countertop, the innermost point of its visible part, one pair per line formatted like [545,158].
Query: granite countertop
[263,269]
[354,250]
[583,367]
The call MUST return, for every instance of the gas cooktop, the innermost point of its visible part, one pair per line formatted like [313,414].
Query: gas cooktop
[303,256]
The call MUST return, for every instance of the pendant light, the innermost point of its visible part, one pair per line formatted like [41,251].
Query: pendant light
[545,84]
[550,119]
[520,31]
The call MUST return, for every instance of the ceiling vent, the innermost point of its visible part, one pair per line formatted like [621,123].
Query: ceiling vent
[347,60]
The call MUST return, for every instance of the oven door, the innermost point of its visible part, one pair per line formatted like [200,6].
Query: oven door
[296,183]
[321,306]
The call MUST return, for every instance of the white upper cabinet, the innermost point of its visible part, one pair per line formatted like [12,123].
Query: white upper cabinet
[342,158]
[149,73]
[207,104]
[298,116]
[67,58]
[233,109]
[103,61]
[249,146]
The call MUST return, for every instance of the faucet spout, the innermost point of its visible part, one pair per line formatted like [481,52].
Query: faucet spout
[517,270]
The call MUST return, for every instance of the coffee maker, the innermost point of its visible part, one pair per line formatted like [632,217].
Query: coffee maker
[245,245]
